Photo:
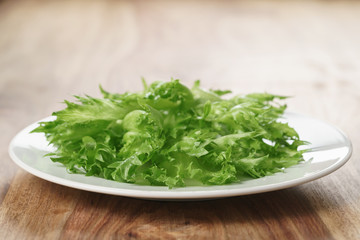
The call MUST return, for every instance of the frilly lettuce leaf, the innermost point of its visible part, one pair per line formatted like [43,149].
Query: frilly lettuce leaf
[173,136]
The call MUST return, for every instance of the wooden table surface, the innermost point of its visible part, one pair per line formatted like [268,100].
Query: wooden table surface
[51,50]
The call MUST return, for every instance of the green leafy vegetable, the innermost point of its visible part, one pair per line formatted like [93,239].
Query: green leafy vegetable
[173,136]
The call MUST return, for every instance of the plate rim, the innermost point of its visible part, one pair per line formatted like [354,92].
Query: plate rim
[169,194]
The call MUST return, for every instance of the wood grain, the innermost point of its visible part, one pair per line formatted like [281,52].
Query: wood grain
[51,50]
[76,214]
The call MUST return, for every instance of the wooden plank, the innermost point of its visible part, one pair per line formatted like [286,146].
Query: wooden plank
[37,208]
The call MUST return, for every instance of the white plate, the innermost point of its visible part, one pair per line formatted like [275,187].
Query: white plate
[330,149]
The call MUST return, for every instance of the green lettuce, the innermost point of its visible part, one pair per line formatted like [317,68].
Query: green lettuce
[170,135]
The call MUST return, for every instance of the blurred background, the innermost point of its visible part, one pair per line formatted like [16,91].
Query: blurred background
[55,49]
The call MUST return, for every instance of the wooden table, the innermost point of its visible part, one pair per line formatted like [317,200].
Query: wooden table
[51,50]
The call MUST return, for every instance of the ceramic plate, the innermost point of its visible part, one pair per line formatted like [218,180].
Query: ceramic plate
[329,150]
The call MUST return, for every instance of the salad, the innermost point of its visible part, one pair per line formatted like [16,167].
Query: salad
[172,135]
